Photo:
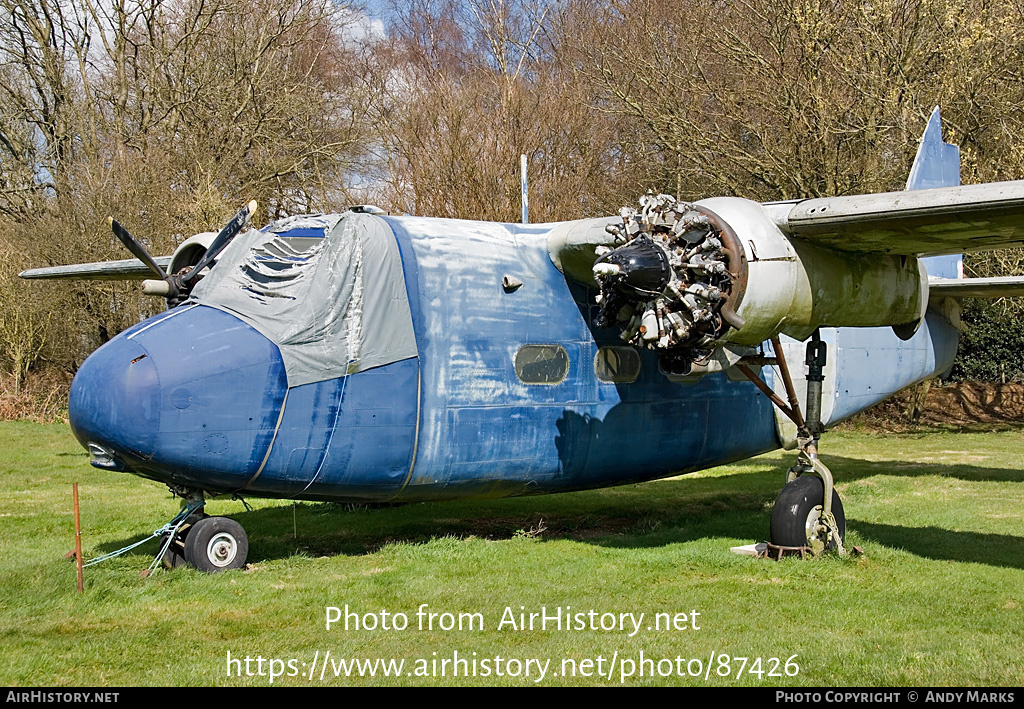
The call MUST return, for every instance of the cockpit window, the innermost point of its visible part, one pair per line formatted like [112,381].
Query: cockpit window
[276,262]
[328,290]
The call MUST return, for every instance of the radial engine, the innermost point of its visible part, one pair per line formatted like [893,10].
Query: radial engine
[704,282]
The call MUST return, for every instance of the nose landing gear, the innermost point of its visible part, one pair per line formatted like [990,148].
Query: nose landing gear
[208,544]
[216,544]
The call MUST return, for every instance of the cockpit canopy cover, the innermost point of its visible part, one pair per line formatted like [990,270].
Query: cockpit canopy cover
[328,290]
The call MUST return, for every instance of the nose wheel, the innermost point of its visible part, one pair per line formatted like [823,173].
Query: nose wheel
[216,544]
[209,544]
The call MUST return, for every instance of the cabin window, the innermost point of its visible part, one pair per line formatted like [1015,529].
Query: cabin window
[620,365]
[541,364]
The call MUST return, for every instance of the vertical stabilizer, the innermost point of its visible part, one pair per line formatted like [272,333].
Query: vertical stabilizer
[937,165]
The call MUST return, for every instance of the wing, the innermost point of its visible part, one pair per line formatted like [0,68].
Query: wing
[128,269]
[934,216]
[945,220]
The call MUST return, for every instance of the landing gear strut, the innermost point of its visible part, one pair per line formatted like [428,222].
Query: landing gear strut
[808,513]
[174,556]
[209,544]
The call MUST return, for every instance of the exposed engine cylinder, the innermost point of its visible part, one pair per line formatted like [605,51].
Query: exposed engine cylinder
[672,286]
[684,279]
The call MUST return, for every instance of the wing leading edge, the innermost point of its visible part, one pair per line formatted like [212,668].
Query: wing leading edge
[998,287]
[944,220]
[127,269]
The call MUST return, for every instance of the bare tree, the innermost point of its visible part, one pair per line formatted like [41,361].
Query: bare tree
[168,114]
[466,88]
[775,99]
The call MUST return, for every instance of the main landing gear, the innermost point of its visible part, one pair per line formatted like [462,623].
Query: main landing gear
[209,544]
[808,514]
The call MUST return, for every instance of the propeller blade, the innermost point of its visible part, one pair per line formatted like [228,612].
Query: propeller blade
[221,241]
[136,248]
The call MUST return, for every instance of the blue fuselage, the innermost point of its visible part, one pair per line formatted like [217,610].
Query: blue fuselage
[196,397]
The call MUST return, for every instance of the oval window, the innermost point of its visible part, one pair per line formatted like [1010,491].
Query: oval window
[620,365]
[541,364]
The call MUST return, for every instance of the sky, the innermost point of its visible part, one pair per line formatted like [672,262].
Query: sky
[376,9]
[365,20]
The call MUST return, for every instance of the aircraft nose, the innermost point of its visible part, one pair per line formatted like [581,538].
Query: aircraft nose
[190,397]
[115,403]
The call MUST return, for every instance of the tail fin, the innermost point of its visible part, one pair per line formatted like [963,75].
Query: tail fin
[937,165]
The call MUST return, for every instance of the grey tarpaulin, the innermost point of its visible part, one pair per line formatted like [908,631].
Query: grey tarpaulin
[333,305]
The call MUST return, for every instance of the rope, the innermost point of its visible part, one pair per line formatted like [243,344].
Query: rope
[119,552]
[170,529]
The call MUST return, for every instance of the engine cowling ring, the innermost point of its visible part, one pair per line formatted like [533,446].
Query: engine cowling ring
[737,264]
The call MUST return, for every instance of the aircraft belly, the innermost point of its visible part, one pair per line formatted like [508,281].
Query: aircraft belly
[521,450]
[648,439]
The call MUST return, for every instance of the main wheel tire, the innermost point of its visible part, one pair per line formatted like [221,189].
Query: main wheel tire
[175,554]
[216,544]
[797,513]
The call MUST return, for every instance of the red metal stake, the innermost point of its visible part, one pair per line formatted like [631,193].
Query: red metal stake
[78,541]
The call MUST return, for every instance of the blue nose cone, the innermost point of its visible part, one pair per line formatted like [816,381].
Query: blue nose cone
[191,397]
[115,400]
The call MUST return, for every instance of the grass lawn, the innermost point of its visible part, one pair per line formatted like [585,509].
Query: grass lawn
[937,599]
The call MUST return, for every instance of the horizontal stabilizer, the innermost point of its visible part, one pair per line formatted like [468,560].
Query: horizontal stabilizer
[1000,287]
[127,269]
[944,220]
